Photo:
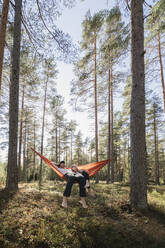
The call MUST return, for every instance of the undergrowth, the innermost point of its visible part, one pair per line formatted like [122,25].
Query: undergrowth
[33,218]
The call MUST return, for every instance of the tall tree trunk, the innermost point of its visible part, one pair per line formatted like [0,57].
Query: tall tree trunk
[71,148]
[111,129]
[34,154]
[59,143]
[56,142]
[156,150]
[109,116]
[24,175]
[124,163]
[119,165]
[78,157]
[42,134]
[27,154]
[3,24]
[12,170]
[138,192]
[95,89]
[161,68]
[20,133]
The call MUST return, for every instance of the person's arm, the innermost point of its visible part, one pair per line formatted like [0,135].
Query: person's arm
[55,166]
[84,170]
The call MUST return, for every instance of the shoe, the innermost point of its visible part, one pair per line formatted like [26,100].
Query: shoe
[64,202]
[83,202]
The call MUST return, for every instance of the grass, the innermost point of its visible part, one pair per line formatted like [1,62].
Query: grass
[35,219]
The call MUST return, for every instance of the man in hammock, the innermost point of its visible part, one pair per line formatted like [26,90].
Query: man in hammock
[73,175]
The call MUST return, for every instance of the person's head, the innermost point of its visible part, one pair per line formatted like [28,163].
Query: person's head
[62,164]
[74,168]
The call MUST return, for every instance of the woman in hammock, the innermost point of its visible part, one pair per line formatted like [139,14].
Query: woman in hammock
[73,175]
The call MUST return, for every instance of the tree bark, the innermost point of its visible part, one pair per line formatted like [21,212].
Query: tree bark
[71,144]
[156,151]
[20,134]
[59,143]
[138,192]
[12,170]
[24,176]
[56,132]
[109,129]
[95,89]
[3,24]
[161,68]
[42,134]
[34,154]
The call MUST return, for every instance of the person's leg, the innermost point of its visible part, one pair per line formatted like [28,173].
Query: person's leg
[69,184]
[81,181]
[86,176]
[67,191]
[87,184]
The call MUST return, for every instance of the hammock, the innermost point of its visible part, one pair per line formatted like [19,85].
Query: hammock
[92,168]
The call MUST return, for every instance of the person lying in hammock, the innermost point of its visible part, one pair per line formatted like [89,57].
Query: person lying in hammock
[73,175]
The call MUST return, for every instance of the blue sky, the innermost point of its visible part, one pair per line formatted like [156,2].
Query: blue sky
[70,22]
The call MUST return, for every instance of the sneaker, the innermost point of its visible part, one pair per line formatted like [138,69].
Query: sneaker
[83,202]
[64,203]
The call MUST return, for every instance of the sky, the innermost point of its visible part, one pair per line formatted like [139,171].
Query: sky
[70,22]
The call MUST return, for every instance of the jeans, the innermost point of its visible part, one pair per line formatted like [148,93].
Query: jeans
[85,174]
[70,181]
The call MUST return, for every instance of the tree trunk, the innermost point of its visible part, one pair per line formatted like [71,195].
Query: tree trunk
[34,154]
[96,121]
[27,154]
[124,163]
[111,129]
[12,170]
[109,138]
[138,192]
[42,134]
[156,151]
[71,148]
[59,143]
[3,24]
[20,134]
[56,142]
[24,176]
[161,68]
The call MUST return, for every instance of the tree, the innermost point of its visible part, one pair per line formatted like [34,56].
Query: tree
[49,72]
[113,47]
[12,171]
[138,191]
[154,123]
[78,149]
[3,25]
[71,128]
[87,68]
[156,27]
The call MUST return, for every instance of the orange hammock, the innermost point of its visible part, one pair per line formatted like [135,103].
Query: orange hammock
[92,168]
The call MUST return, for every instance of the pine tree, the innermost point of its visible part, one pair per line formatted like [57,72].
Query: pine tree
[114,46]
[138,192]
[12,170]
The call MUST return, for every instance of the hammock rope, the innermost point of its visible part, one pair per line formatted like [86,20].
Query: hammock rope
[92,168]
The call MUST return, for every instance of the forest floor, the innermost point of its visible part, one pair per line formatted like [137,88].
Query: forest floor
[31,218]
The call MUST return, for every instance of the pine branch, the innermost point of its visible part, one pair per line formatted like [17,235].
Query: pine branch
[42,19]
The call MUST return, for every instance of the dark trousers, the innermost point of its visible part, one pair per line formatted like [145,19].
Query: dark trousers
[70,181]
[85,174]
